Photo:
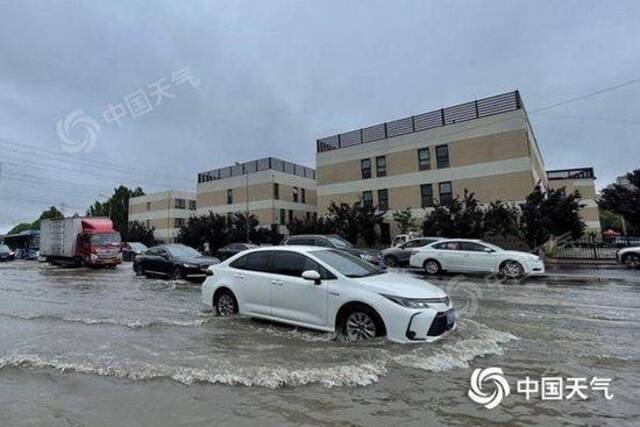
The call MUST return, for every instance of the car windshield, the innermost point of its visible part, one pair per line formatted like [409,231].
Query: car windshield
[346,264]
[339,242]
[105,239]
[183,251]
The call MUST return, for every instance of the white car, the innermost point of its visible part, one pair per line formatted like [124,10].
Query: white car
[465,255]
[629,257]
[328,290]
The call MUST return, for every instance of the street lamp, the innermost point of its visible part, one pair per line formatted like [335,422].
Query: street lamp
[246,214]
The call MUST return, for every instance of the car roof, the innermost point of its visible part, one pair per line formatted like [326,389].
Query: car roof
[297,248]
[442,240]
[310,235]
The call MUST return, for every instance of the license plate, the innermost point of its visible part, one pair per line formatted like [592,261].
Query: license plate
[451,319]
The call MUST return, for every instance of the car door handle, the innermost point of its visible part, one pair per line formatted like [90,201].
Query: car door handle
[239,276]
[277,282]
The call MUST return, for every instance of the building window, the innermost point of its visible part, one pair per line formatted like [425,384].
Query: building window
[276,191]
[148,206]
[424,159]
[229,197]
[295,194]
[180,204]
[308,216]
[426,195]
[381,166]
[365,167]
[303,195]
[383,200]
[290,216]
[283,217]
[442,156]
[367,199]
[193,205]
[178,222]
[446,193]
[315,216]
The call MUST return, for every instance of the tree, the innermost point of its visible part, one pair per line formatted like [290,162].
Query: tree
[51,213]
[501,220]
[210,229]
[405,220]
[138,232]
[550,213]
[462,218]
[322,225]
[116,207]
[610,220]
[356,220]
[624,199]
[237,226]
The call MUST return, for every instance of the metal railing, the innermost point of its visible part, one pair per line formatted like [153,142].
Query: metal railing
[485,107]
[267,163]
[590,248]
[578,173]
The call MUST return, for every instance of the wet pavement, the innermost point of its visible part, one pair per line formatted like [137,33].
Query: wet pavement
[105,348]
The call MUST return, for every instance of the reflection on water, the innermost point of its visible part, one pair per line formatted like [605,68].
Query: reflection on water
[112,324]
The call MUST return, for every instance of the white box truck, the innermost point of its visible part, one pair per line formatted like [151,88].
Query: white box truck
[77,242]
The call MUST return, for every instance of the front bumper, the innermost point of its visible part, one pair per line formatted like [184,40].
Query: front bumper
[406,325]
[199,272]
[535,268]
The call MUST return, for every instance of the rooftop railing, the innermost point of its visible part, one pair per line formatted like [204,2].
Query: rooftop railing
[485,107]
[267,163]
[578,173]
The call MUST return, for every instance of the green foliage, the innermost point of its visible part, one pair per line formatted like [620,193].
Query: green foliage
[138,232]
[356,220]
[624,200]
[322,225]
[610,220]
[542,216]
[405,220]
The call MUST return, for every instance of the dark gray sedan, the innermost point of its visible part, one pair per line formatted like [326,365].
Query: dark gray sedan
[398,256]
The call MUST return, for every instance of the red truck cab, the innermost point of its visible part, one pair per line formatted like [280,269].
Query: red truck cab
[99,245]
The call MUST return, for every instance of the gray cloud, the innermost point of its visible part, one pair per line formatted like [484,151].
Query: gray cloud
[277,75]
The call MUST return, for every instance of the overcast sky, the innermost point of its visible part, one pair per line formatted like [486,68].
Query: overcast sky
[269,77]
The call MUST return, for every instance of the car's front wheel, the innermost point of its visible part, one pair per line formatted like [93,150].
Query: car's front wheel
[226,304]
[512,270]
[361,325]
[177,274]
[431,267]
[631,260]
[139,269]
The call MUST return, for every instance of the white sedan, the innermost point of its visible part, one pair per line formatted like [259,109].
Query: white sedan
[464,255]
[629,257]
[328,290]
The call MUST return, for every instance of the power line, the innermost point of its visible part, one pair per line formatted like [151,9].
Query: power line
[589,95]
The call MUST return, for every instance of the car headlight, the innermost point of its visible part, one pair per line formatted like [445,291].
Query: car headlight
[186,265]
[408,302]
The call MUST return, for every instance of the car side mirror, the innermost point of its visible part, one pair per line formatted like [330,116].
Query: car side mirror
[312,275]
[489,250]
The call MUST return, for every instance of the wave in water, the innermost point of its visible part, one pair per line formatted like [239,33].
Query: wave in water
[347,375]
[129,323]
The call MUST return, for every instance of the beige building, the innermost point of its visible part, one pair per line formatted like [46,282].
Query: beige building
[583,180]
[486,146]
[274,190]
[165,211]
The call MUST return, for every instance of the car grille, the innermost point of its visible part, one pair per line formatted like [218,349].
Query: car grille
[440,325]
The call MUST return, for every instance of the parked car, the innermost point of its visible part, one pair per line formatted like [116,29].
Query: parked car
[173,261]
[6,254]
[132,249]
[233,249]
[464,255]
[329,290]
[335,242]
[403,238]
[629,257]
[398,256]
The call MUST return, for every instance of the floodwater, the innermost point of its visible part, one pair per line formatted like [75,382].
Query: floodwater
[107,348]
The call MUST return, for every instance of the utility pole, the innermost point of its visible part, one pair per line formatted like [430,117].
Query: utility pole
[246,212]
